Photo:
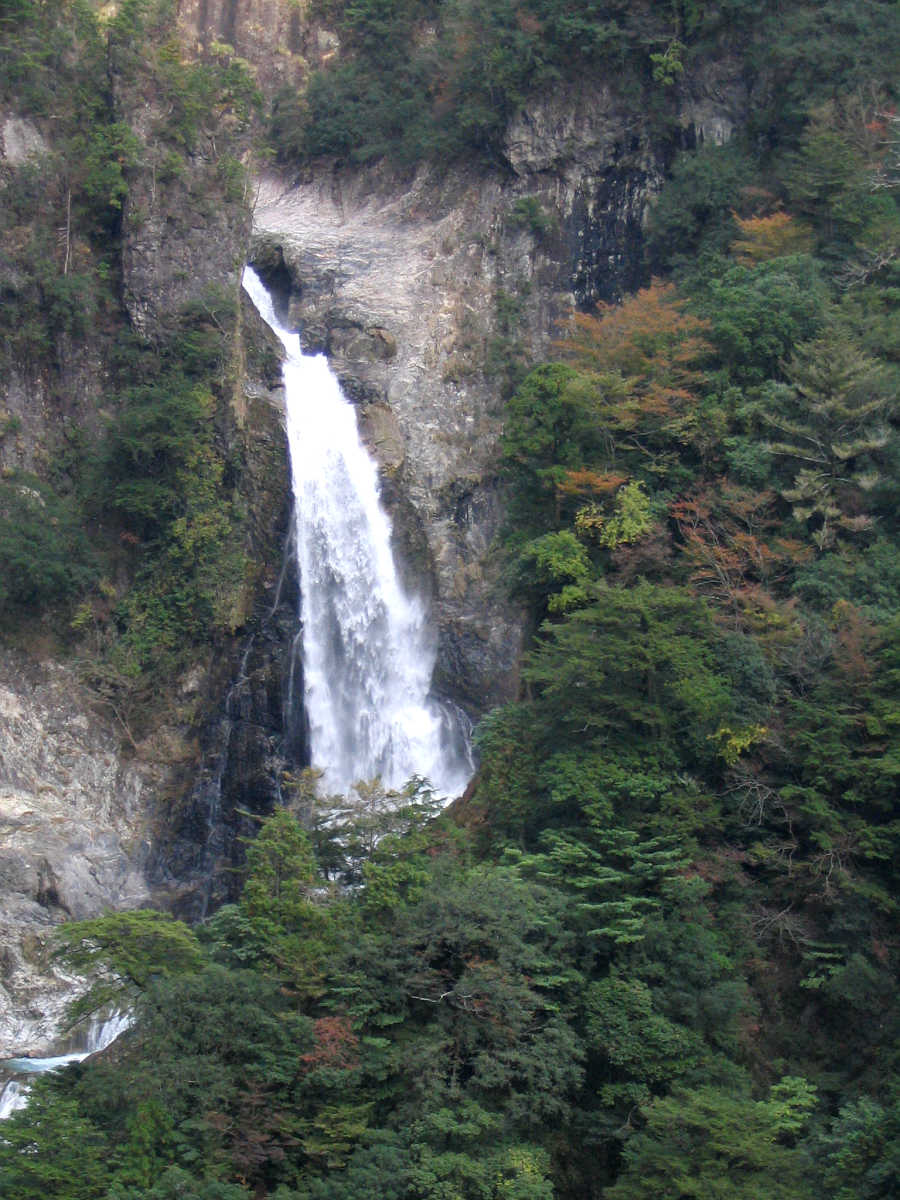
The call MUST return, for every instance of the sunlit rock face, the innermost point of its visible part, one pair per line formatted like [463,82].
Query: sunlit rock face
[73,835]
[429,291]
[402,301]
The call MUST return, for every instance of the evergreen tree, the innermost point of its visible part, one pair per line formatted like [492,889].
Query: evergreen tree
[832,416]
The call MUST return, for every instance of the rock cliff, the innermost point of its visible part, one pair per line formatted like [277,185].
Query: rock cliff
[75,833]
[429,291]
[94,814]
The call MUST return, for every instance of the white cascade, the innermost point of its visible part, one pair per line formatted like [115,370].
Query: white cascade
[367,651]
[13,1096]
[100,1033]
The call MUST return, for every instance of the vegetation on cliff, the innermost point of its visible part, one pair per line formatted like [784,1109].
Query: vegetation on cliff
[134,538]
[443,78]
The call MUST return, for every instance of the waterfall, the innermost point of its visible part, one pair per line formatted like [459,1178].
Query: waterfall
[367,650]
[13,1096]
[207,792]
[100,1033]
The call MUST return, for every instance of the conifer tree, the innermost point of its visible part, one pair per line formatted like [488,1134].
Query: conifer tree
[831,423]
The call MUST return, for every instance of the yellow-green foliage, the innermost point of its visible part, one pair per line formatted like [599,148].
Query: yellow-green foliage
[631,517]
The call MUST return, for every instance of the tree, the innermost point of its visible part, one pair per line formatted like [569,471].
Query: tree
[832,419]
[859,1155]
[828,177]
[473,976]
[630,520]
[736,557]
[124,952]
[280,924]
[508,790]
[551,571]
[208,1078]
[178,1184]
[758,314]
[642,1048]
[152,447]
[281,872]
[634,667]
[551,429]
[653,347]
[49,1149]
[709,1144]
[375,835]
[774,236]
[614,874]
[44,556]
[695,207]
[847,736]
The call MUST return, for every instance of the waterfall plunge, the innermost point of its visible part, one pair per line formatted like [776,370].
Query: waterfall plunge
[100,1033]
[367,651]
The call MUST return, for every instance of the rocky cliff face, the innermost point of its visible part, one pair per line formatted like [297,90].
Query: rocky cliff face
[427,292]
[76,823]
[245,747]
[95,815]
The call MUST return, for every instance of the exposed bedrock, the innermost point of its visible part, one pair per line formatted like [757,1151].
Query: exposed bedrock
[426,291]
[75,828]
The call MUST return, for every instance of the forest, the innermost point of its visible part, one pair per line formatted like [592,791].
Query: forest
[652,954]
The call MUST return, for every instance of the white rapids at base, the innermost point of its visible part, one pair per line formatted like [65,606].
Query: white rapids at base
[101,1032]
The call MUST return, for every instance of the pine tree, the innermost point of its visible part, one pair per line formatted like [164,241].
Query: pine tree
[832,419]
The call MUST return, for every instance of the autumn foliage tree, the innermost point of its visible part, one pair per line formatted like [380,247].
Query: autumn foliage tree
[654,348]
[589,442]
[736,553]
[772,236]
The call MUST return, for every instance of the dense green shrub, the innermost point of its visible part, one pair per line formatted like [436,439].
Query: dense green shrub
[758,314]
[161,476]
[44,555]
[694,211]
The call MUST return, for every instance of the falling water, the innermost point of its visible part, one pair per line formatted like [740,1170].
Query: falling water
[13,1096]
[368,654]
[103,1032]
[100,1033]
[208,789]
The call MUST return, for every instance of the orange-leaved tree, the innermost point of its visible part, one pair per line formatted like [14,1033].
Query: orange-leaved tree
[773,236]
[655,348]
[735,555]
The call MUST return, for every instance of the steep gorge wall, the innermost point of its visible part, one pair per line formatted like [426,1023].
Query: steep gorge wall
[75,833]
[276,37]
[426,291]
[95,815]
[429,291]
